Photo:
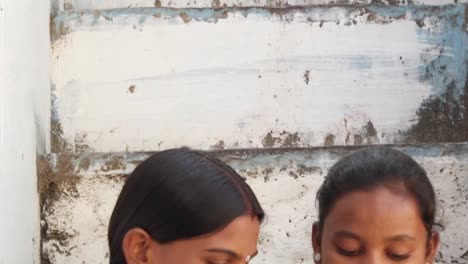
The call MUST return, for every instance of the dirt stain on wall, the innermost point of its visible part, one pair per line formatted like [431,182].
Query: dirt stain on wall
[329,140]
[283,139]
[185,17]
[132,88]
[442,118]
[55,183]
[218,146]
[114,164]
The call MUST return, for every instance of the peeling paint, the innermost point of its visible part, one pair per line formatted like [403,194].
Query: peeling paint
[218,146]
[269,141]
[442,118]
[283,139]
[329,140]
[80,145]
[67,6]
[57,31]
[216,4]
[370,133]
[116,163]
[423,62]
[86,4]
[285,181]
[55,183]
[84,164]
[58,144]
[274,96]
[358,140]
[353,14]
[185,17]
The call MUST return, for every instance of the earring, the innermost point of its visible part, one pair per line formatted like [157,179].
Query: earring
[317,257]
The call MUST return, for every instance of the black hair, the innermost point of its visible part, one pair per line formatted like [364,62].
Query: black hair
[179,194]
[376,166]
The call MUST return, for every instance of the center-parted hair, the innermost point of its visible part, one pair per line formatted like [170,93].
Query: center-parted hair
[378,166]
[179,194]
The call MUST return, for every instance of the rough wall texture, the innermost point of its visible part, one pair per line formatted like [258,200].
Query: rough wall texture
[297,83]
[82,190]
[139,79]
[109,4]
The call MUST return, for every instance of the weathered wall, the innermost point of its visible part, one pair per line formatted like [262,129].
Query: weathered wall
[110,4]
[302,77]
[24,119]
[139,79]
[81,198]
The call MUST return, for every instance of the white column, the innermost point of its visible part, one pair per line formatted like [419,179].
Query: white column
[24,119]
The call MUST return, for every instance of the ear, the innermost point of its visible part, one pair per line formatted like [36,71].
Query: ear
[136,247]
[432,246]
[316,238]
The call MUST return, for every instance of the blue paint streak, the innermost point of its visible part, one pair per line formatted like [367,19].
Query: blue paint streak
[450,65]
[448,22]
[362,62]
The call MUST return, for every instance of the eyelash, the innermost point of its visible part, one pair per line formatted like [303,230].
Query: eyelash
[398,257]
[357,252]
[349,253]
[211,262]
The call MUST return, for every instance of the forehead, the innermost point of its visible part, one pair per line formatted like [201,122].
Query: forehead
[239,236]
[379,211]
[243,229]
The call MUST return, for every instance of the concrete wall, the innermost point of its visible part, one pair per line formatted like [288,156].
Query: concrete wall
[24,122]
[295,84]
[139,79]
[111,4]
[80,201]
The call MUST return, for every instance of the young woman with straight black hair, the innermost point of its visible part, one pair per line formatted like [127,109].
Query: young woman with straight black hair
[184,207]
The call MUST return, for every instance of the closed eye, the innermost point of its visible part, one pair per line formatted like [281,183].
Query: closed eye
[398,257]
[348,243]
[349,253]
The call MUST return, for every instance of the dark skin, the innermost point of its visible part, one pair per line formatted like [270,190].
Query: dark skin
[234,244]
[378,226]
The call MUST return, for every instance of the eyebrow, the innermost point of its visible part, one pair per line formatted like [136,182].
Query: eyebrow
[397,238]
[400,238]
[230,252]
[346,234]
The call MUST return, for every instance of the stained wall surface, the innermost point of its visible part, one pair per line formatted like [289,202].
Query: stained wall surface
[278,89]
